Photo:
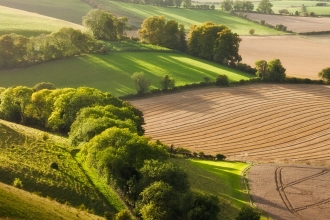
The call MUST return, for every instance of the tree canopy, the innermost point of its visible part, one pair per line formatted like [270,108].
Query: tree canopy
[271,71]
[325,74]
[265,7]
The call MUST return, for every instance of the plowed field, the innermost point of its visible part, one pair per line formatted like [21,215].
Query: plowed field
[291,192]
[264,123]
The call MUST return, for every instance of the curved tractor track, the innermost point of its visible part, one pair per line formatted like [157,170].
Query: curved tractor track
[264,122]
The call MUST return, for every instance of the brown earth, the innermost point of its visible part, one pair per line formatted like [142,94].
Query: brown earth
[264,122]
[296,24]
[291,192]
[302,57]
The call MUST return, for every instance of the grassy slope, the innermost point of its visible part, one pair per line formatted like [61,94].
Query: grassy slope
[25,155]
[217,178]
[29,24]
[137,13]
[69,10]
[19,204]
[112,72]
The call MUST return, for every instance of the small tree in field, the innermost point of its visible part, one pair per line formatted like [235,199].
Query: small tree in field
[141,84]
[222,80]
[251,31]
[167,82]
[325,74]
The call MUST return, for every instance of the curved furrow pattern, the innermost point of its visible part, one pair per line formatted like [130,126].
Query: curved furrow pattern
[288,122]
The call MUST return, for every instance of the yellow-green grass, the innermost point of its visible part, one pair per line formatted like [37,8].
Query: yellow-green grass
[69,10]
[29,24]
[319,10]
[138,12]
[112,72]
[26,153]
[222,179]
[19,204]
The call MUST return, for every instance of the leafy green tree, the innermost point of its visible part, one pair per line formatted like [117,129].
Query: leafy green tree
[104,25]
[226,47]
[248,213]
[167,82]
[7,52]
[275,71]
[248,6]
[159,201]
[124,214]
[141,83]
[265,7]
[204,207]
[227,5]
[261,67]
[187,3]
[325,74]
[238,5]
[251,31]
[14,103]
[152,30]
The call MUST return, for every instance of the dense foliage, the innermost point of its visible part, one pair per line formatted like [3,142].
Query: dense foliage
[158,31]
[265,7]
[271,71]
[20,51]
[105,26]
[325,74]
[214,42]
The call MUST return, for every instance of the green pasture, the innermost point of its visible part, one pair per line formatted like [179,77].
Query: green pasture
[68,10]
[293,6]
[222,179]
[27,154]
[137,13]
[29,24]
[324,10]
[112,72]
[18,204]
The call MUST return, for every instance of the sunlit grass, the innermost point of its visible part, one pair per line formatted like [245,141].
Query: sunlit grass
[222,179]
[112,72]
[138,12]
[29,24]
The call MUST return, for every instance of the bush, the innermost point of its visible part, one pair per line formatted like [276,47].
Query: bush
[44,85]
[248,213]
[54,166]
[251,31]
[18,183]
[220,157]
[123,215]
[222,80]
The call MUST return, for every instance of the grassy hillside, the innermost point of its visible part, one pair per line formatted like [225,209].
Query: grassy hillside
[137,13]
[218,178]
[112,72]
[19,204]
[27,154]
[69,10]
[29,24]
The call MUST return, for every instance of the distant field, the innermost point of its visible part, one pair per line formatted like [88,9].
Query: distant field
[263,123]
[296,24]
[69,10]
[222,179]
[29,24]
[137,13]
[112,72]
[325,10]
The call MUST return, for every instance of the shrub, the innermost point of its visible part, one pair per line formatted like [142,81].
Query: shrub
[220,157]
[248,213]
[251,31]
[45,136]
[44,85]
[18,183]
[262,22]
[123,215]
[54,166]
[222,80]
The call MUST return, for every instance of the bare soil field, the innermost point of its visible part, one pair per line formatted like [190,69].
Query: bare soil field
[291,192]
[264,122]
[296,24]
[302,57]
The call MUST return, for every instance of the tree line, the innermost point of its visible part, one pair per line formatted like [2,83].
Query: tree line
[21,51]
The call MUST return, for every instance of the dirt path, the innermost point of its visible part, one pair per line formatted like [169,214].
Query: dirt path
[291,191]
[302,57]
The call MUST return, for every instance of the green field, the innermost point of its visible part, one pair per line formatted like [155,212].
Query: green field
[222,179]
[112,72]
[19,204]
[29,24]
[324,10]
[137,13]
[27,155]
[68,10]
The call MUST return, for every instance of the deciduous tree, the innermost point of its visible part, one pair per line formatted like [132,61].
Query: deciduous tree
[325,74]
[265,7]
[141,83]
